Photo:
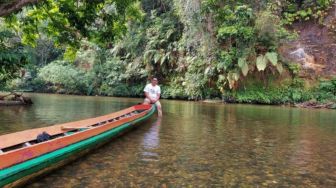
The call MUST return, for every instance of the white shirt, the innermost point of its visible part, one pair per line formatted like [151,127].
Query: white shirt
[153,91]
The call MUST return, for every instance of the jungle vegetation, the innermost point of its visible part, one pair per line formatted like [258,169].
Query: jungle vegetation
[199,49]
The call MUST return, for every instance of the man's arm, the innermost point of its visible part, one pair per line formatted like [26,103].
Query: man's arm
[147,93]
[147,96]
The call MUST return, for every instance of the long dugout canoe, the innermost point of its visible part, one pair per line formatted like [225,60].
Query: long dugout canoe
[22,158]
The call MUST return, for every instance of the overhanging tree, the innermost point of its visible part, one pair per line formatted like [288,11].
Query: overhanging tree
[67,22]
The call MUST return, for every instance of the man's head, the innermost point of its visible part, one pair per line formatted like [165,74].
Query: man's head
[154,81]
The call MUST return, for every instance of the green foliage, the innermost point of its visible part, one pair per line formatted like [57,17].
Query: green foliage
[63,77]
[249,40]
[243,64]
[327,90]
[272,95]
[174,91]
[161,35]
[197,49]
[121,90]
[70,53]
[294,68]
[43,53]
[328,86]
[67,22]
[194,89]
[293,92]
[261,62]
[293,11]
[13,56]
[272,57]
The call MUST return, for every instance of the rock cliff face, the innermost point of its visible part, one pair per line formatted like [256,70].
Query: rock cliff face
[315,47]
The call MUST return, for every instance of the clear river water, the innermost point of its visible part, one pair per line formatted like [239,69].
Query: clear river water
[194,144]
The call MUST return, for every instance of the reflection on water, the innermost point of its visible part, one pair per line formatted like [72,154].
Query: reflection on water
[193,145]
[151,141]
[151,138]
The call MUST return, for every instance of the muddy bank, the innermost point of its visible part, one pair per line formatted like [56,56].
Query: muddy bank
[316,105]
[308,104]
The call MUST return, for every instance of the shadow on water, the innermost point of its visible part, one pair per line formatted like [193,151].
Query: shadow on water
[194,144]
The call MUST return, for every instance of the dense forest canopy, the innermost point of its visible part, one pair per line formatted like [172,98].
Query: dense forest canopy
[198,48]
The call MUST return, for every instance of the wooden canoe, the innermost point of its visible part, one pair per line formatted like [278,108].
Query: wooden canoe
[22,157]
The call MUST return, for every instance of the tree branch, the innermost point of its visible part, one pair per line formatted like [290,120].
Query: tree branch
[11,6]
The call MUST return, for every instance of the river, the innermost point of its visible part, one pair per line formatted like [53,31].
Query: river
[194,144]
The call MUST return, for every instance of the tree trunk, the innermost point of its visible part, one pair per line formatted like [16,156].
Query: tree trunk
[11,6]
[15,99]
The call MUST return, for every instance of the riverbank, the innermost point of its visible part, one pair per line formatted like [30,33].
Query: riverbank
[237,98]
[308,104]
[287,92]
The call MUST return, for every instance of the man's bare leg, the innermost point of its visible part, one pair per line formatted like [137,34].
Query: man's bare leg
[158,105]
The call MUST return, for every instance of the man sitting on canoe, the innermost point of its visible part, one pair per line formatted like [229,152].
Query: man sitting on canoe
[152,93]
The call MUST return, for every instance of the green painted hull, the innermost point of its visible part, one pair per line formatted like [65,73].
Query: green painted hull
[27,168]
